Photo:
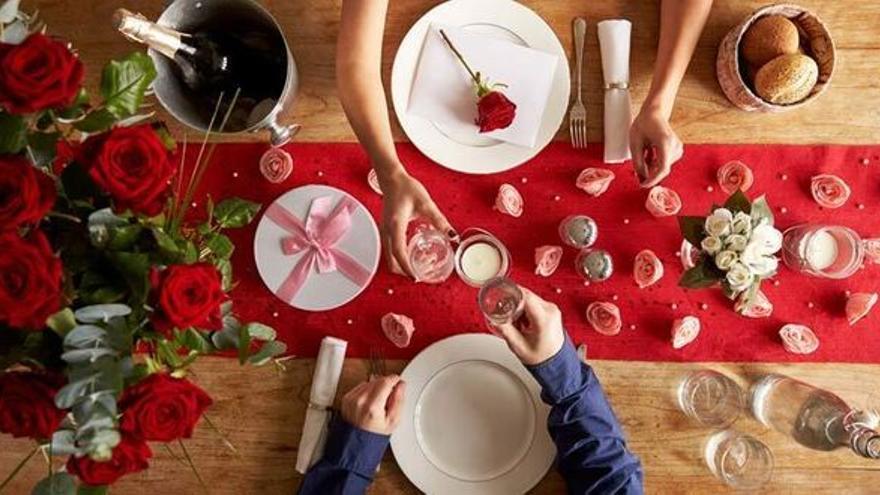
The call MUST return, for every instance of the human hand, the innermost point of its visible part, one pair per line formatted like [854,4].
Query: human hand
[655,146]
[406,199]
[375,405]
[538,335]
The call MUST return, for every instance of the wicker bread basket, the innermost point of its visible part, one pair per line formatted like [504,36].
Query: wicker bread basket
[815,41]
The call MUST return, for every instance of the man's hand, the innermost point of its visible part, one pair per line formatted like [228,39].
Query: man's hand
[655,146]
[375,406]
[538,335]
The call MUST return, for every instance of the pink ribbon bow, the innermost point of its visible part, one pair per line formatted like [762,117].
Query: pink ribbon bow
[324,227]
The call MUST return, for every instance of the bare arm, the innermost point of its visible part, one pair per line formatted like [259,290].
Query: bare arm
[359,76]
[681,22]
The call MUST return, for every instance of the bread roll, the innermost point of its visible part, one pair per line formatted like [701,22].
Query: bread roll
[769,37]
[787,79]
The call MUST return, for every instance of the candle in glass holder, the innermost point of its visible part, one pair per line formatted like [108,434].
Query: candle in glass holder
[821,250]
[481,261]
[829,251]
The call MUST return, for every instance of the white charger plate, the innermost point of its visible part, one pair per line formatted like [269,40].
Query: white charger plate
[505,19]
[321,292]
[473,421]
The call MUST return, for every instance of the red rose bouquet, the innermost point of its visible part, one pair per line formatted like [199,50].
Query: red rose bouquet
[99,260]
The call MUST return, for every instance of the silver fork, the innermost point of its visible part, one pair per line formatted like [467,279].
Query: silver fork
[376,364]
[577,116]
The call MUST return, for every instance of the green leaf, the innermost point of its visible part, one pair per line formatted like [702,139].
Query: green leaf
[268,351]
[167,247]
[194,340]
[260,331]
[92,490]
[165,136]
[124,82]
[224,266]
[235,212]
[85,336]
[55,484]
[101,313]
[75,111]
[220,245]
[68,395]
[700,276]
[738,201]
[64,443]
[761,211]
[135,268]
[62,322]
[96,121]
[244,344]
[692,229]
[124,237]
[77,183]
[42,146]
[13,133]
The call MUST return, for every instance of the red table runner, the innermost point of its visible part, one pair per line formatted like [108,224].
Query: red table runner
[625,227]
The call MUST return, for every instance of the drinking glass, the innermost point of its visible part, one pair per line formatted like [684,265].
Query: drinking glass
[710,398]
[739,460]
[821,250]
[430,255]
[501,301]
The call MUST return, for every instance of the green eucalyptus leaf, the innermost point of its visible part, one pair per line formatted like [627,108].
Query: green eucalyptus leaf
[692,229]
[761,211]
[15,32]
[8,11]
[101,313]
[268,351]
[85,336]
[62,321]
[13,134]
[64,443]
[100,223]
[737,202]
[124,82]
[193,339]
[260,331]
[55,484]
[68,395]
[244,345]
[76,356]
[235,212]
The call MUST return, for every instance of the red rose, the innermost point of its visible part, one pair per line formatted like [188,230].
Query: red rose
[162,408]
[130,456]
[27,404]
[39,73]
[188,296]
[30,280]
[495,111]
[26,194]
[132,165]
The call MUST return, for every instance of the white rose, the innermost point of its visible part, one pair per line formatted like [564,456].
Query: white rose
[725,259]
[742,223]
[711,245]
[767,239]
[718,223]
[739,277]
[760,264]
[736,242]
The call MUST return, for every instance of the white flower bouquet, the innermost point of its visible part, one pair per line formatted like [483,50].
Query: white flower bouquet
[738,245]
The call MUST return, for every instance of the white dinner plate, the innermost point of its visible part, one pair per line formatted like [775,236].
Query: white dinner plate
[505,19]
[473,420]
[321,291]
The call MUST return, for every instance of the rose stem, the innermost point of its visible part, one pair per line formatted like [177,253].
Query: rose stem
[460,57]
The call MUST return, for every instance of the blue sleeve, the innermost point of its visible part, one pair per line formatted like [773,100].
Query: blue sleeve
[350,459]
[591,449]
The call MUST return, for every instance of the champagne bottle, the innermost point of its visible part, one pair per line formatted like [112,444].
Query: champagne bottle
[815,418]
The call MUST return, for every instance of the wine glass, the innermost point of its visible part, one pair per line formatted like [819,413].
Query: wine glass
[430,255]
[501,301]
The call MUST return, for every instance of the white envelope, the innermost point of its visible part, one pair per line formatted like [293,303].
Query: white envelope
[443,92]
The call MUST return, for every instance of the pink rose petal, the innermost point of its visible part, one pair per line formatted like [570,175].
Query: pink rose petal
[276,165]
[604,317]
[685,331]
[547,260]
[829,190]
[872,250]
[594,181]
[858,306]
[761,307]
[663,202]
[647,268]
[735,175]
[398,329]
[798,339]
[509,201]
[373,181]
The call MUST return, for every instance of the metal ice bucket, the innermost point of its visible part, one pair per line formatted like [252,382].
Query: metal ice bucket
[188,15]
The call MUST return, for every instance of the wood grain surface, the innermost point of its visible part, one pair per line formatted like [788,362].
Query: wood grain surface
[261,410]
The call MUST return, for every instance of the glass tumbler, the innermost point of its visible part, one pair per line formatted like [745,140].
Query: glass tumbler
[430,255]
[739,460]
[501,301]
[821,250]
[710,398]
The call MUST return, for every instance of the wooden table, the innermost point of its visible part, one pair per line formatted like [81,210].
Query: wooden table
[261,410]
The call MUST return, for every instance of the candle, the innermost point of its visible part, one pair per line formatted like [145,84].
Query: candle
[821,250]
[481,261]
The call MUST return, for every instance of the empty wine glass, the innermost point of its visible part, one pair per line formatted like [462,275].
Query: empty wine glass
[739,460]
[501,301]
[710,398]
[821,250]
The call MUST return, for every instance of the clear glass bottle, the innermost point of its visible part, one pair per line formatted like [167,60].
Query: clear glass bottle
[815,418]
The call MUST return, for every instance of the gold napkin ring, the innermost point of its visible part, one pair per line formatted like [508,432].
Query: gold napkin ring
[617,85]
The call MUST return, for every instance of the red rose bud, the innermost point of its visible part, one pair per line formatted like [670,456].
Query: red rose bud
[495,111]
[132,165]
[37,74]
[187,296]
[27,404]
[161,408]
[26,193]
[130,456]
[30,281]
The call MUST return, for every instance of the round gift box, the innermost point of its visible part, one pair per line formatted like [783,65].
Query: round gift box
[815,41]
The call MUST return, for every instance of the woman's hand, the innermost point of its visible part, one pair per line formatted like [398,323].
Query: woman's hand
[655,146]
[406,199]
[375,406]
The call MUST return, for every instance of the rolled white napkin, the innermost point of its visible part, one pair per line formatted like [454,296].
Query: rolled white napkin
[614,42]
[328,368]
